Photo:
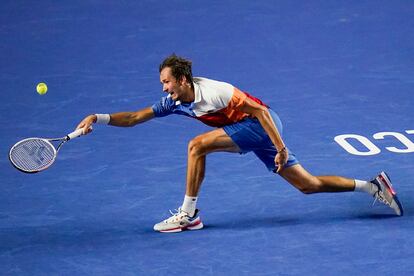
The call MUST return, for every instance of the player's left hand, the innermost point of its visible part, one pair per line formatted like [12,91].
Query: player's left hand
[281,159]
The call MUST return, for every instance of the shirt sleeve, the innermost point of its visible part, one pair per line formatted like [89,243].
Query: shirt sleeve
[238,98]
[164,107]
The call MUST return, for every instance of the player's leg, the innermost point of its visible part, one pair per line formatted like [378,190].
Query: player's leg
[198,148]
[380,187]
[187,215]
[308,183]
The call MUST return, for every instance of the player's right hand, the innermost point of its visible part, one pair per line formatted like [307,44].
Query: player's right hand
[281,159]
[86,124]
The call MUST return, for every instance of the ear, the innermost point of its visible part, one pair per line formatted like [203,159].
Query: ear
[183,80]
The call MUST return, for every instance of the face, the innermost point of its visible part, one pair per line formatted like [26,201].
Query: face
[177,89]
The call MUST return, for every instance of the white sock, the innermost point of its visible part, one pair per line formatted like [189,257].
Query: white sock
[189,205]
[365,186]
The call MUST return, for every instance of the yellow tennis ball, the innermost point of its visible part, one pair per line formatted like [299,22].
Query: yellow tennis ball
[41,88]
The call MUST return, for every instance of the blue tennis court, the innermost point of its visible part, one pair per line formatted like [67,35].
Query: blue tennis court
[339,74]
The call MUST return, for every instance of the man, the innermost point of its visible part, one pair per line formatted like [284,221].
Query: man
[243,123]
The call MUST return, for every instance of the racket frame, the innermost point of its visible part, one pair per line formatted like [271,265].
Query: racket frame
[48,141]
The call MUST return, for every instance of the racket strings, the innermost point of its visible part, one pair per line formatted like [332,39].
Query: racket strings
[32,155]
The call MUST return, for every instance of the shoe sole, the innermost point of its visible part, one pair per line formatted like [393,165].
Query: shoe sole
[385,179]
[196,225]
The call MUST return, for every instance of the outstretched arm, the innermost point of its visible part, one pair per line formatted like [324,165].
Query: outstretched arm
[262,114]
[121,119]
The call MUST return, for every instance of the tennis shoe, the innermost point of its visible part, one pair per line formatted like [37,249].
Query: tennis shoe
[386,194]
[179,221]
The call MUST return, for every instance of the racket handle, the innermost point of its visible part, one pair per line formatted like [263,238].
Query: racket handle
[74,134]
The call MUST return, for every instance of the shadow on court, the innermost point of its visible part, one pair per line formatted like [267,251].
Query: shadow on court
[278,222]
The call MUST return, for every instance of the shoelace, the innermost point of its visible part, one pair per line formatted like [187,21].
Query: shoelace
[175,212]
[379,195]
[175,215]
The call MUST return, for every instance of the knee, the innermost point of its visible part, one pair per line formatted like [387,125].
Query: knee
[196,146]
[311,186]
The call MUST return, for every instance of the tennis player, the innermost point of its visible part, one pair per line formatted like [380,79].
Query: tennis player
[243,123]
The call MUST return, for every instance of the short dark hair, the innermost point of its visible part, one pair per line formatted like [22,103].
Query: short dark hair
[180,67]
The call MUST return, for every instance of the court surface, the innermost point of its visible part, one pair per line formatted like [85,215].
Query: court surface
[327,67]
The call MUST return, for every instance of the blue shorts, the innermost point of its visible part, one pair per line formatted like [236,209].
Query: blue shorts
[249,135]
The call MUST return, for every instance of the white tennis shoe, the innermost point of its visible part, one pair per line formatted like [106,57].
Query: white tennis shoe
[386,194]
[179,221]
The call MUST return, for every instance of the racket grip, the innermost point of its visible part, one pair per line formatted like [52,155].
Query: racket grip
[74,134]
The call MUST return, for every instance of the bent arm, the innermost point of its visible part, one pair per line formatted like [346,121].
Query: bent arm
[262,114]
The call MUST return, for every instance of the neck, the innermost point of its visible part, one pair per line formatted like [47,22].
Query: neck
[190,95]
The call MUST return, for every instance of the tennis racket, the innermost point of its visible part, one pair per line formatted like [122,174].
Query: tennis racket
[33,155]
